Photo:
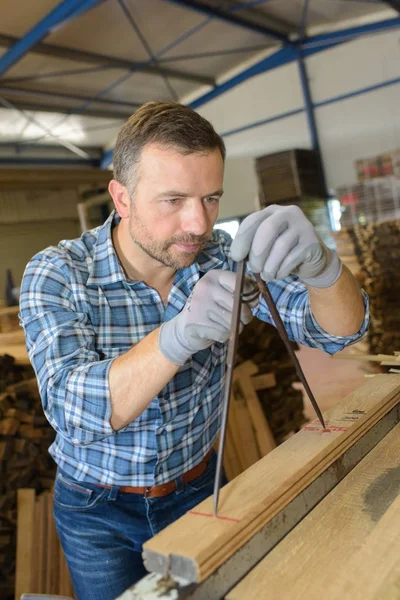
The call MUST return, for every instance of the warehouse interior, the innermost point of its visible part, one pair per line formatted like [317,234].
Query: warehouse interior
[306,97]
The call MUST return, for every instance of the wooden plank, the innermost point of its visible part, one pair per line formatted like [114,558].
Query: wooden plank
[261,492]
[246,368]
[42,541]
[373,573]
[241,424]
[32,178]
[53,557]
[231,460]
[263,381]
[9,310]
[17,351]
[264,437]
[35,586]
[12,338]
[315,560]
[25,531]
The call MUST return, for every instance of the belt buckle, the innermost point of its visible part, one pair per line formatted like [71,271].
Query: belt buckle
[147,491]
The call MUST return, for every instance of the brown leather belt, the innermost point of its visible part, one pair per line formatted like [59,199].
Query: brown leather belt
[157,491]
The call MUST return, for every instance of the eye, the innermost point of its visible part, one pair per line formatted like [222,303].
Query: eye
[173,201]
[211,200]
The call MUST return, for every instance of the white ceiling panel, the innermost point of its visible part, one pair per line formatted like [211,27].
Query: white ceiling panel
[321,11]
[142,87]
[106,30]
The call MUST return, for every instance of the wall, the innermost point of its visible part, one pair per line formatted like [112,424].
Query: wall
[31,221]
[357,127]
[240,188]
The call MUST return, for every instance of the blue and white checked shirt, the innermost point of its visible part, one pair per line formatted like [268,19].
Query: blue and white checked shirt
[79,312]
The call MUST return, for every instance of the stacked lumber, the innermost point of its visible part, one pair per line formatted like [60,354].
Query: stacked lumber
[41,566]
[384,360]
[377,246]
[25,436]
[196,545]
[289,175]
[248,436]
[282,404]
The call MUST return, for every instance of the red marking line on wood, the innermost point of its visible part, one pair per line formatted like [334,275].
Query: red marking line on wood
[329,428]
[201,514]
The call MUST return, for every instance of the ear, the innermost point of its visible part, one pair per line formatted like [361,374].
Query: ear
[121,198]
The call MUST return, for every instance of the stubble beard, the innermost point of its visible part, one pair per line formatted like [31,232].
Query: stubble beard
[164,252]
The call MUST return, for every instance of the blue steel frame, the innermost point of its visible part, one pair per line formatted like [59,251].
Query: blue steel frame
[292,50]
[229,17]
[286,55]
[62,14]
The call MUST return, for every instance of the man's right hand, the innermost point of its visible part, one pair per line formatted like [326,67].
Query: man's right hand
[206,317]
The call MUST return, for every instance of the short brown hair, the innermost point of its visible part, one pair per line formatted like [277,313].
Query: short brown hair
[165,123]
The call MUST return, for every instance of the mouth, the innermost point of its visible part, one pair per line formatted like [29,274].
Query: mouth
[189,247]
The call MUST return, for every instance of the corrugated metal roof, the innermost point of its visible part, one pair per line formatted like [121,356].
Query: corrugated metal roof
[83,67]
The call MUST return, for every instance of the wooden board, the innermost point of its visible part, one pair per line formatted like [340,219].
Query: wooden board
[263,381]
[201,543]
[12,338]
[25,541]
[379,558]
[18,351]
[323,557]
[264,437]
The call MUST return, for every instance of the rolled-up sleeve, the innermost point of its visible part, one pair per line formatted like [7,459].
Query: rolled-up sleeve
[293,303]
[73,380]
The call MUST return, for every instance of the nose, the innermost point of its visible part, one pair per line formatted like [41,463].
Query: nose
[195,218]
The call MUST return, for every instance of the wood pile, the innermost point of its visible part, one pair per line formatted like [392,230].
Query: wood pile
[289,175]
[25,436]
[41,566]
[281,403]
[375,247]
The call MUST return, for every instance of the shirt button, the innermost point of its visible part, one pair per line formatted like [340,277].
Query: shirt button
[164,431]
[166,396]
[160,470]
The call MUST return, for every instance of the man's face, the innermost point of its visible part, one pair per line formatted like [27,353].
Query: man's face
[175,203]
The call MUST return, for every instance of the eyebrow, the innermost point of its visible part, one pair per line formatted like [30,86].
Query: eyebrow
[178,194]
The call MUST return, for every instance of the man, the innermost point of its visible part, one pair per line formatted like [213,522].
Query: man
[127,326]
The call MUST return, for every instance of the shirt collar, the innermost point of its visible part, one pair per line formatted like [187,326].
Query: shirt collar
[106,268]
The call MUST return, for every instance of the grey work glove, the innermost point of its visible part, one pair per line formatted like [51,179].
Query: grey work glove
[205,318]
[281,241]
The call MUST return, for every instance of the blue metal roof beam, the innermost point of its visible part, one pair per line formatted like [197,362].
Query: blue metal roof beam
[62,14]
[346,35]
[288,54]
[223,15]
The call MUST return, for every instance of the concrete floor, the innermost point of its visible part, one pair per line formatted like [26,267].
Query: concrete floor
[330,379]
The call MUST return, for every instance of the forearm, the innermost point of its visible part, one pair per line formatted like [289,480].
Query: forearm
[338,309]
[136,377]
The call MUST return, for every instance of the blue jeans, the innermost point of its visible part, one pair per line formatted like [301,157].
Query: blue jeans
[102,531]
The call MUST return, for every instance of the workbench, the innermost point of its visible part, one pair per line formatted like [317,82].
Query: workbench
[338,538]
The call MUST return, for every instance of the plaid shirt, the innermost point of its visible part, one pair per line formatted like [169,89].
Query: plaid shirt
[79,312]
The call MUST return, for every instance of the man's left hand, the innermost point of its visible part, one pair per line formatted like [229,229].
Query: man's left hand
[280,241]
